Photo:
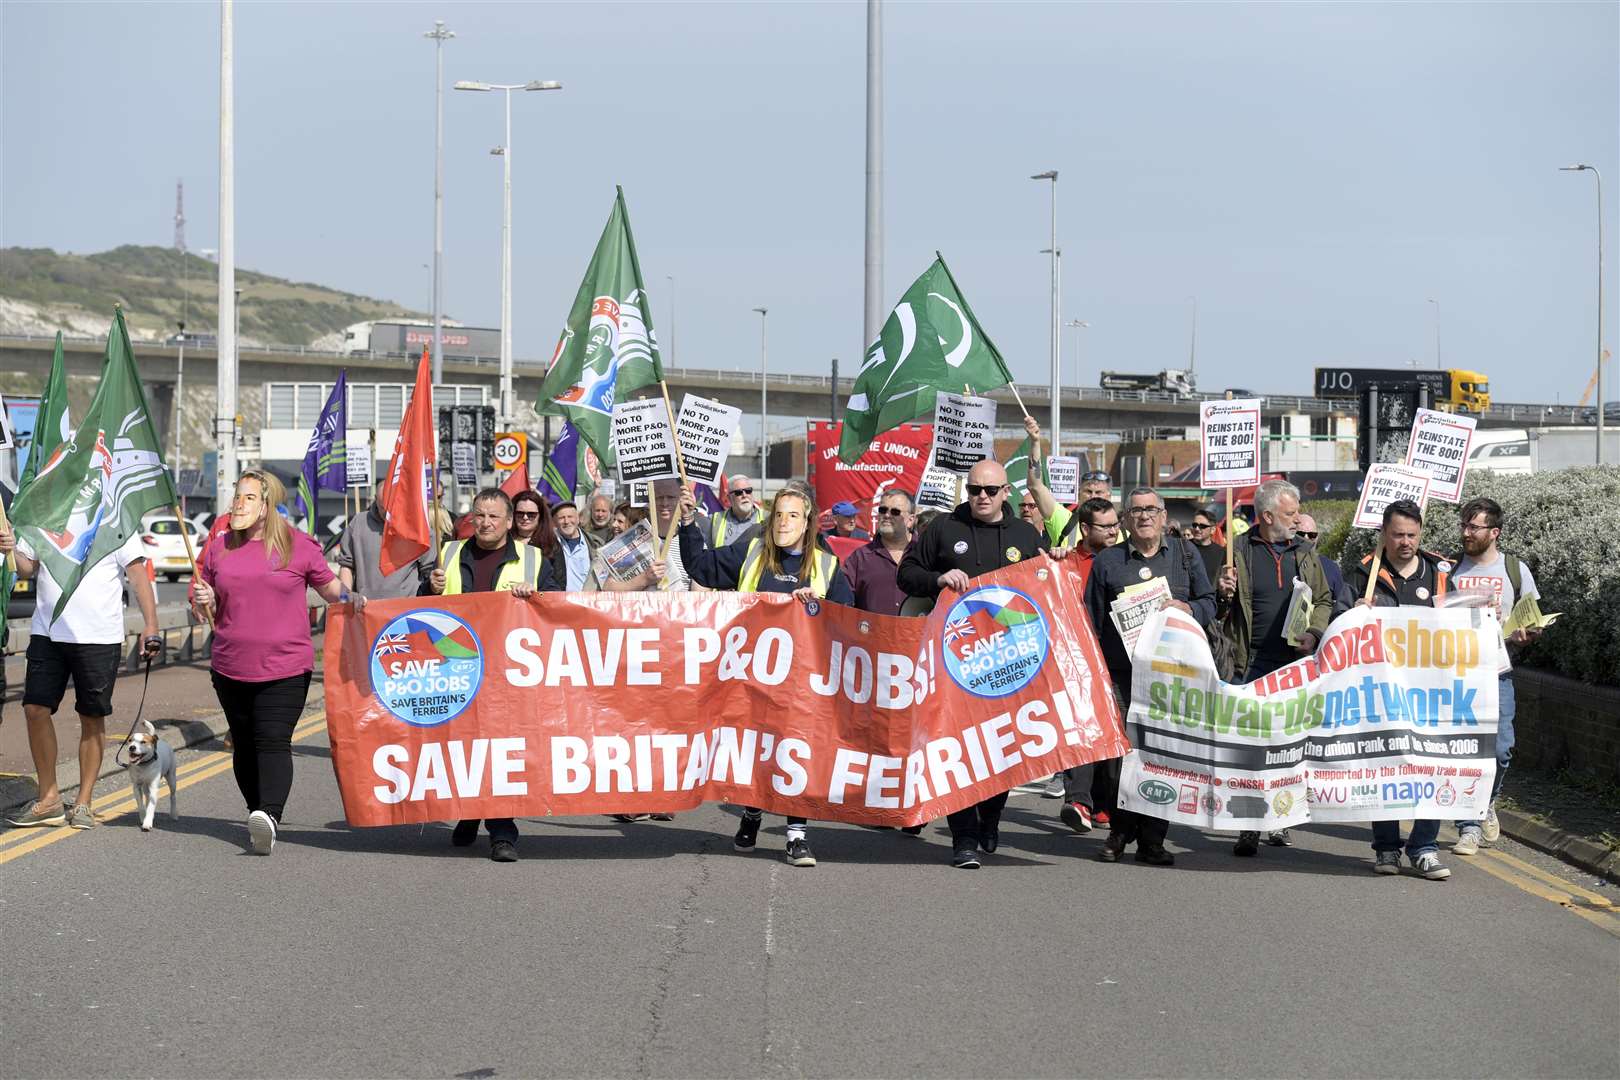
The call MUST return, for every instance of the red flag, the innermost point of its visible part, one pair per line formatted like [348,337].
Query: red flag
[407,495]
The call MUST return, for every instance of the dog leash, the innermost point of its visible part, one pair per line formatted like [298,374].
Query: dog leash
[119,753]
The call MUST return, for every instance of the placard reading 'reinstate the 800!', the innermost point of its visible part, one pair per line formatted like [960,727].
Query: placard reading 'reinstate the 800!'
[1385,484]
[1229,440]
[1439,447]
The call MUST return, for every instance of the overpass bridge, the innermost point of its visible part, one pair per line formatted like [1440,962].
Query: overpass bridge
[1085,409]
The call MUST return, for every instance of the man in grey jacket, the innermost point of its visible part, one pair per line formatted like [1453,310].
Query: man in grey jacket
[359,558]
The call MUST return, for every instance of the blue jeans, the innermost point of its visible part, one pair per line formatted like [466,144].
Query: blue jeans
[1387,837]
[1504,740]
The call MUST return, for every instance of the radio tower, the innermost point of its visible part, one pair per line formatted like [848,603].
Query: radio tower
[180,215]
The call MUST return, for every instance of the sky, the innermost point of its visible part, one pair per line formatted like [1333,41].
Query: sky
[1308,176]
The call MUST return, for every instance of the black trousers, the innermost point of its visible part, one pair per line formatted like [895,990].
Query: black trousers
[1089,786]
[756,812]
[1126,826]
[501,828]
[262,716]
[966,824]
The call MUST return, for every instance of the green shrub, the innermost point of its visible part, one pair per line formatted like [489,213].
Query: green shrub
[1562,524]
[1333,521]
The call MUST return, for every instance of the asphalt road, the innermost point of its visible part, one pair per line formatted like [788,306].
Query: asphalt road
[654,950]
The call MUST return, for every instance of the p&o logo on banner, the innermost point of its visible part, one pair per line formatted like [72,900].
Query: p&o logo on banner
[995,641]
[426,667]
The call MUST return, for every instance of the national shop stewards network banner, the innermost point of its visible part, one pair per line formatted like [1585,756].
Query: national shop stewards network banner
[483,705]
[1393,718]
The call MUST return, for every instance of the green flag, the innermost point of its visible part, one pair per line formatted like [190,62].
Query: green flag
[931,341]
[91,492]
[53,426]
[607,348]
[1018,468]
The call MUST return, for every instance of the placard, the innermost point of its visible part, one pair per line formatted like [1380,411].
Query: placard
[938,489]
[964,431]
[1063,479]
[358,463]
[705,429]
[464,463]
[638,493]
[642,440]
[1385,484]
[1229,443]
[1439,447]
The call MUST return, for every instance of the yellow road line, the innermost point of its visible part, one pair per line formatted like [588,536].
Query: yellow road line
[1604,921]
[1602,917]
[1593,899]
[20,834]
[125,803]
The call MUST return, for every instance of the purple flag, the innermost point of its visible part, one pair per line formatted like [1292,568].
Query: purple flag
[561,474]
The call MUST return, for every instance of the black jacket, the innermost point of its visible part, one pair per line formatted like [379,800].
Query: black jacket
[962,542]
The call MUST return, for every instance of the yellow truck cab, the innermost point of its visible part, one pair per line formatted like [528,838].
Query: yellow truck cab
[1470,391]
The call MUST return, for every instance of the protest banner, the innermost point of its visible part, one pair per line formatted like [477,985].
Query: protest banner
[464,463]
[1229,443]
[704,429]
[1439,448]
[964,431]
[895,459]
[642,441]
[937,490]
[358,462]
[1387,483]
[1063,479]
[484,705]
[1393,718]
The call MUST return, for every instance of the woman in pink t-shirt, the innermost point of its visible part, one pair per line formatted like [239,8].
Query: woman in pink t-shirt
[255,580]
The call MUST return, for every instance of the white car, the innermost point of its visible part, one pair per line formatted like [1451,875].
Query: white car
[166,547]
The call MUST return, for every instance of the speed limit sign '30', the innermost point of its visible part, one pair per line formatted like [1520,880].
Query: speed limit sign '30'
[511,450]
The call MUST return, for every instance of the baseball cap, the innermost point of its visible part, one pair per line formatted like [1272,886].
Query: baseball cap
[843,509]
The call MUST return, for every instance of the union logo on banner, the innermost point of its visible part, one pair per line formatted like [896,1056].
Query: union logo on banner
[995,640]
[426,667]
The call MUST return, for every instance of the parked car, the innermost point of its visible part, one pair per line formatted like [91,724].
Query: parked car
[166,546]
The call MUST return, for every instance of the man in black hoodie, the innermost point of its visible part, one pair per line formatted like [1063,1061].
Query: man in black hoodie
[983,534]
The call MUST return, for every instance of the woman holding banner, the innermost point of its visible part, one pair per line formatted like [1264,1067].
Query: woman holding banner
[784,558]
[255,579]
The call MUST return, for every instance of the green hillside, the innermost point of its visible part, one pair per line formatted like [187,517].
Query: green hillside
[151,282]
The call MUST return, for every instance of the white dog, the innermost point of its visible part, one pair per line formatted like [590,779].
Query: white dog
[150,760]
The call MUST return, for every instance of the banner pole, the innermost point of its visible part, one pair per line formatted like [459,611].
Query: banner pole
[1231,540]
[680,467]
[1372,575]
[191,555]
[433,517]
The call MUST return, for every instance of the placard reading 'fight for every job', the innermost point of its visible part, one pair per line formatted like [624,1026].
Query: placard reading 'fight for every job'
[642,440]
[704,430]
[964,431]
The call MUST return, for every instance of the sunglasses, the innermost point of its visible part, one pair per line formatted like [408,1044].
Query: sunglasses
[891,511]
[742,491]
[1094,476]
[524,515]
[1306,535]
[1200,525]
[975,490]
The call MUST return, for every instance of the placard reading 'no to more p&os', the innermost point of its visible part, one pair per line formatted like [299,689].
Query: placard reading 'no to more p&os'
[642,440]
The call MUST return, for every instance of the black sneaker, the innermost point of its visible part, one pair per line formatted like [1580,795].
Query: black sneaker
[465,832]
[1155,856]
[1280,838]
[1113,848]
[503,851]
[989,836]
[1248,844]
[798,853]
[747,834]
[912,830]
[965,859]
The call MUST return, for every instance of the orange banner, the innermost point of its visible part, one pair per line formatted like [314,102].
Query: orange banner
[586,703]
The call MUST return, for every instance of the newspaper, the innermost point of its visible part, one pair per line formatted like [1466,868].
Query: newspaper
[1299,614]
[1131,608]
[629,554]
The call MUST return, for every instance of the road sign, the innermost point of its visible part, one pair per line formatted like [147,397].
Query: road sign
[511,450]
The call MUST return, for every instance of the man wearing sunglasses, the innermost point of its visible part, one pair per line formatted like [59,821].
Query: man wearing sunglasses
[981,535]
[1148,555]
[1342,600]
[742,511]
[1201,531]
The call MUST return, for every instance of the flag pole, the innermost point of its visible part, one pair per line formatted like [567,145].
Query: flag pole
[433,516]
[1372,575]
[1230,539]
[196,575]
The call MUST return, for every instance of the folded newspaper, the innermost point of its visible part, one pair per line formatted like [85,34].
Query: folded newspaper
[629,554]
[1131,608]
[1299,614]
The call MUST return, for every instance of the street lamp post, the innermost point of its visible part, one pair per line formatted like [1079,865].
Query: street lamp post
[439,35]
[1057,380]
[1437,365]
[504,151]
[1077,325]
[764,410]
[1599,177]
[671,279]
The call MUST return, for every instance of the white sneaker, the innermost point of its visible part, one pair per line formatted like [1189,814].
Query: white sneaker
[262,832]
[1467,843]
[1429,865]
[1490,828]
[1054,788]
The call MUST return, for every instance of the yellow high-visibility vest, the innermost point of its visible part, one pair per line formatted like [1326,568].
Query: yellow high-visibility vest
[822,565]
[513,572]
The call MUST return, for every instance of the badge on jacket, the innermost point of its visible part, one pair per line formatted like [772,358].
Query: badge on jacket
[1013,554]
[960,547]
